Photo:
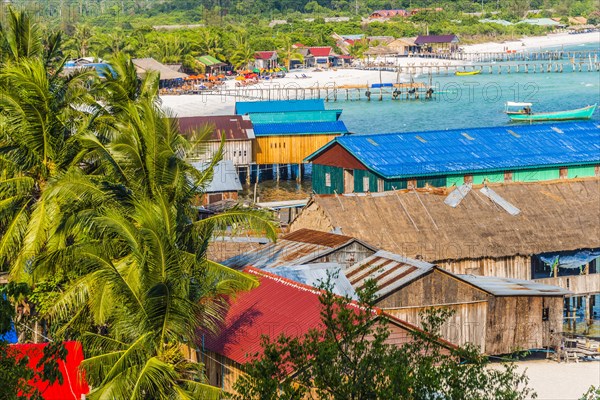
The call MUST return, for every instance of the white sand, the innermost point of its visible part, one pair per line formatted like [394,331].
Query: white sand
[223,104]
[549,42]
[560,381]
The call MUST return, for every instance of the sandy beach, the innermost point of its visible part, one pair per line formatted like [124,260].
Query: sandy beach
[223,104]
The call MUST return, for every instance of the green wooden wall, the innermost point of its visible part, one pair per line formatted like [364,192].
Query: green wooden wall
[536,174]
[319,180]
[581,171]
[359,176]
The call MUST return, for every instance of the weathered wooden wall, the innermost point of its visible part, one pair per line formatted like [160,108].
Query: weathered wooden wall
[220,370]
[517,267]
[238,151]
[467,325]
[435,288]
[515,323]
[347,255]
[287,149]
[579,284]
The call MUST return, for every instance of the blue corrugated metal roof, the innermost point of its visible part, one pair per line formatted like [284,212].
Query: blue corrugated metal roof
[247,107]
[300,128]
[315,274]
[400,155]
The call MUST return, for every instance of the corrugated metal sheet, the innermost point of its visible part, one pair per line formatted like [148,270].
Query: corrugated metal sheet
[296,116]
[301,128]
[398,155]
[315,274]
[512,287]
[427,39]
[276,306]
[297,248]
[234,127]
[225,177]
[248,107]
[390,272]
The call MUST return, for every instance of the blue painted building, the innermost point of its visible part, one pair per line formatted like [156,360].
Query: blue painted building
[521,153]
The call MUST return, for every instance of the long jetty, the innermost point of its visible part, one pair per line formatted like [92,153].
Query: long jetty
[514,55]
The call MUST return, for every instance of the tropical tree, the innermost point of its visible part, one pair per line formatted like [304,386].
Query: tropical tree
[288,52]
[242,53]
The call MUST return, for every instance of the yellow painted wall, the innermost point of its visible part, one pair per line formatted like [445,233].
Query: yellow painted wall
[288,149]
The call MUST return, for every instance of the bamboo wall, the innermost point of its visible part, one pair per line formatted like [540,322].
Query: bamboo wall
[280,149]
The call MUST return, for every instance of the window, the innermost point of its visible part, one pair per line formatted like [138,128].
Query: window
[597,170]
[327,179]
[508,176]
[468,178]
[411,184]
[380,187]
[365,183]
[563,173]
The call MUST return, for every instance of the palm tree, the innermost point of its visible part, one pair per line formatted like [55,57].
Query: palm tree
[288,51]
[144,274]
[41,119]
[242,53]
[21,39]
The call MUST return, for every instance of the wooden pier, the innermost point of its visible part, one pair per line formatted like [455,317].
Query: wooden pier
[514,55]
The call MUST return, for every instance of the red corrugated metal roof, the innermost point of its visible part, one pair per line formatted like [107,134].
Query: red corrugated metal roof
[73,386]
[317,237]
[276,306]
[234,127]
[264,55]
[320,51]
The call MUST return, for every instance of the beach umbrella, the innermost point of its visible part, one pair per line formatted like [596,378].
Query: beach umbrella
[221,76]
[212,78]
[256,70]
[240,78]
[200,76]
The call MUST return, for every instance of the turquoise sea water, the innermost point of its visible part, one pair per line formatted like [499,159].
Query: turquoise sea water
[473,101]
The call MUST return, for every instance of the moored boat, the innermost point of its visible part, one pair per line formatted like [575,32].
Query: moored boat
[467,73]
[566,115]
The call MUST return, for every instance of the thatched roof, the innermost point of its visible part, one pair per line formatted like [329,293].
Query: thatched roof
[144,65]
[555,216]
[380,50]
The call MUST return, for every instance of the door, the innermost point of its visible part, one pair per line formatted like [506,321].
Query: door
[348,180]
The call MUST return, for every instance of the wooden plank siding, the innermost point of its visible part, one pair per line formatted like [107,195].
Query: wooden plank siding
[515,323]
[238,151]
[347,255]
[221,371]
[467,325]
[516,267]
[578,284]
[288,149]
[435,288]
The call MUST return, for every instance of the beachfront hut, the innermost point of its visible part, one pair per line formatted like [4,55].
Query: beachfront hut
[265,59]
[403,46]
[523,153]
[498,315]
[224,185]
[553,238]
[167,76]
[305,246]
[277,306]
[237,130]
[212,64]
[437,43]
[322,56]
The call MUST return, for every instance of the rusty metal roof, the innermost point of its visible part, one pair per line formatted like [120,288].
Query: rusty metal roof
[234,127]
[511,287]
[390,272]
[297,248]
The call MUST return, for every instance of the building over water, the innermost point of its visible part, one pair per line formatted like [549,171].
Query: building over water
[523,153]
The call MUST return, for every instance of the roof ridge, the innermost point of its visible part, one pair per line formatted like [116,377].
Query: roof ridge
[280,279]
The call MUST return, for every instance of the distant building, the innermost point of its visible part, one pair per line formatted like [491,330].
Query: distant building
[265,59]
[403,46]
[385,14]
[549,22]
[167,75]
[211,63]
[437,43]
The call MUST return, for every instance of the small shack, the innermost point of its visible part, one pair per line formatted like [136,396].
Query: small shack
[498,315]
[212,64]
[237,130]
[265,59]
[304,246]
[277,306]
[444,158]
[437,43]
[225,183]
[167,76]
[403,46]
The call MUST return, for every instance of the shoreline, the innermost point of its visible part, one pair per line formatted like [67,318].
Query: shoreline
[205,104]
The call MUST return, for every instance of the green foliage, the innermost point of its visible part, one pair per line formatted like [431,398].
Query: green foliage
[350,358]
[593,393]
